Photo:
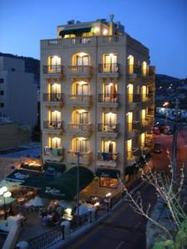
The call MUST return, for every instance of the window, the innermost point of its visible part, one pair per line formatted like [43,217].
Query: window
[110,63]
[81,59]
[80,88]
[80,117]
[1,80]
[80,144]
[54,63]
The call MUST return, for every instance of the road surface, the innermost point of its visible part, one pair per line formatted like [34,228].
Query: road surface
[123,229]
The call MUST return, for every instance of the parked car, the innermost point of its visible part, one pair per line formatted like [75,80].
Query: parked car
[157,148]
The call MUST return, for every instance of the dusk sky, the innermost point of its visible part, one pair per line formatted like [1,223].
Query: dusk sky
[161,25]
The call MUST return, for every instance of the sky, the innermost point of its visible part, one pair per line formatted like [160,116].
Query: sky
[161,25]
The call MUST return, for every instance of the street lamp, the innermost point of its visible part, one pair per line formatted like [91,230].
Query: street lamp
[5,194]
[166,104]
[78,183]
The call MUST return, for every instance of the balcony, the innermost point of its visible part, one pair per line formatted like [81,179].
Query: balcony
[108,101]
[136,151]
[106,159]
[85,158]
[108,70]
[53,71]
[147,100]
[130,159]
[133,101]
[130,131]
[108,130]
[80,100]
[80,71]
[149,76]
[53,126]
[53,98]
[80,129]
[56,154]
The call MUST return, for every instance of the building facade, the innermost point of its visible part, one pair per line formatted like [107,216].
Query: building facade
[18,91]
[97,98]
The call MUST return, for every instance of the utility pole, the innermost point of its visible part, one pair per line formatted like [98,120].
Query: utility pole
[78,184]
[174,143]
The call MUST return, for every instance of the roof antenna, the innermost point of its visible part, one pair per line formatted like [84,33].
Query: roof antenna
[111,17]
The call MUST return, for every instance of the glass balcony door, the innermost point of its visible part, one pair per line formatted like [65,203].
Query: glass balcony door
[82,60]
[80,117]
[55,91]
[82,89]
[110,119]
[110,63]
[81,145]
[109,147]
[54,63]
[110,91]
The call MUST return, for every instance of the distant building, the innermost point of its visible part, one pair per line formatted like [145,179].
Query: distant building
[18,90]
[97,98]
[12,135]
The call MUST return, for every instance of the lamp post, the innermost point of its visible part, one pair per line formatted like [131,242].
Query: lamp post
[5,194]
[78,184]
[166,104]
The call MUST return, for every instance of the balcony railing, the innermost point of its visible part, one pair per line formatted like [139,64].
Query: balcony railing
[85,100]
[136,98]
[108,98]
[109,68]
[108,127]
[52,69]
[53,97]
[81,127]
[53,124]
[106,156]
[85,157]
[80,70]
[54,152]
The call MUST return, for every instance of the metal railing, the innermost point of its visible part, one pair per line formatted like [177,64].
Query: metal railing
[106,156]
[108,127]
[48,151]
[53,97]
[82,127]
[80,69]
[109,68]
[46,239]
[108,98]
[81,98]
[53,124]
[52,69]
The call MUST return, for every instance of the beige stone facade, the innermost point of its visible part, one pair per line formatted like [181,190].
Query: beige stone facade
[97,96]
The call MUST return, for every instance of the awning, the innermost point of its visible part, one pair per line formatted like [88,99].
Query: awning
[66,187]
[55,165]
[74,31]
[108,173]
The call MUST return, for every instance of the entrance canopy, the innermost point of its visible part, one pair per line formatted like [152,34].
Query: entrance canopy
[107,173]
[66,186]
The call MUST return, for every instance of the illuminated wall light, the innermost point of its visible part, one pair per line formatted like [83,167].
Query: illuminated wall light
[81,54]
[105,31]
[81,138]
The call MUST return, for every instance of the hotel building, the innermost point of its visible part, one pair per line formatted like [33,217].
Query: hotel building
[97,98]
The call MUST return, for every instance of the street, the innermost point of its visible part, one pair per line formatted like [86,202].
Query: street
[123,229]
[162,160]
